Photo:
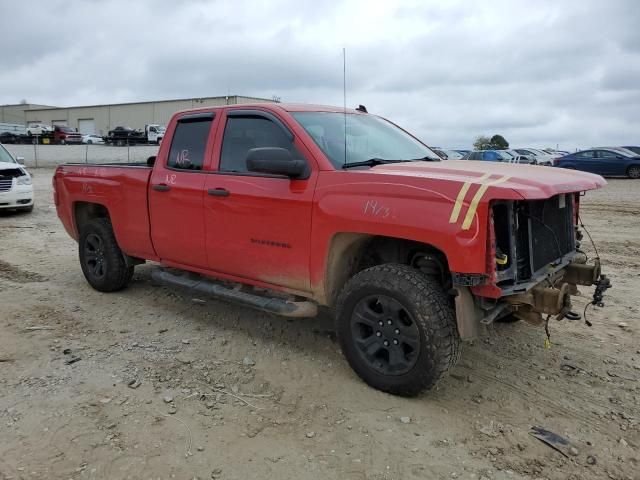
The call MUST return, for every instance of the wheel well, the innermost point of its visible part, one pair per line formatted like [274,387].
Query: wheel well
[84,212]
[351,253]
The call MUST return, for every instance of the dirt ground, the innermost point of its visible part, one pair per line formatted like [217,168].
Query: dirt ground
[224,392]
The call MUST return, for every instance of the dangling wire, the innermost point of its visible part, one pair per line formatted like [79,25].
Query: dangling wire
[584,315]
[547,341]
[588,235]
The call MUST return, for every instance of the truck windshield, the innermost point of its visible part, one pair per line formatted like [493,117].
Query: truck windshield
[367,137]
[5,156]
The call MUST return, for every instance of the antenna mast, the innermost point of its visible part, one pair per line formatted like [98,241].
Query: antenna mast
[344,98]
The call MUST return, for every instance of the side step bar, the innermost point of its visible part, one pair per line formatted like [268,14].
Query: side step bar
[217,290]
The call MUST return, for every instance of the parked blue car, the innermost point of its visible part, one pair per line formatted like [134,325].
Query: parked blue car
[603,161]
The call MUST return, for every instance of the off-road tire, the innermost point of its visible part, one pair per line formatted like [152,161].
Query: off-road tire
[429,308]
[114,274]
[633,171]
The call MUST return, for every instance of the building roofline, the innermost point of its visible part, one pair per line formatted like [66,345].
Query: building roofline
[151,101]
[26,105]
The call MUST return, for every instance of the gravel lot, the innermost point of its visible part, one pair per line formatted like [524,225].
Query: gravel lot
[165,386]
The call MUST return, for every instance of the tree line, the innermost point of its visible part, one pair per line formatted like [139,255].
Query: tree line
[497,142]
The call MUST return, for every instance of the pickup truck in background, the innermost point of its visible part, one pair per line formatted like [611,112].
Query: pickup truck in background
[154,133]
[63,135]
[121,136]
[289,207]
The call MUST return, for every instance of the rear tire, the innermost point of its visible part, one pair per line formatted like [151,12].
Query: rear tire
[101,259]
[397,329]
[633,171]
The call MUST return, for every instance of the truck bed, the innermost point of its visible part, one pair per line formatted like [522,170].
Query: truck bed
[121,188]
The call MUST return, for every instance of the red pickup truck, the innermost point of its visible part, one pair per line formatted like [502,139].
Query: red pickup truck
[289,207]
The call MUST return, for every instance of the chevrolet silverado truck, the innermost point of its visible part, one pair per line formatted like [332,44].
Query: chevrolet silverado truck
[287,208]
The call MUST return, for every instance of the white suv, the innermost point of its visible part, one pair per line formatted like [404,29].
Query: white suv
[38,129]
[16,190]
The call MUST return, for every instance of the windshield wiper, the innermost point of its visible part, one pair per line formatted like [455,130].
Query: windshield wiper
[372,162]
[425,159]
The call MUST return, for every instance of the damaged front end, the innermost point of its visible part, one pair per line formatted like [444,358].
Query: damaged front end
[535,266]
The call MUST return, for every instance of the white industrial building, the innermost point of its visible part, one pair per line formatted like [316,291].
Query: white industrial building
[99,119]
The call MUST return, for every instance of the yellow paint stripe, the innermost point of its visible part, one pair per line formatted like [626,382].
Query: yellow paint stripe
[455,213]
[476,200]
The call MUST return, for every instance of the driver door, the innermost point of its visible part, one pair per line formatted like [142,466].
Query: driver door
[258,226]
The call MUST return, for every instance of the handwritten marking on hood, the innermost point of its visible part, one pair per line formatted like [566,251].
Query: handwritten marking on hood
[375,209]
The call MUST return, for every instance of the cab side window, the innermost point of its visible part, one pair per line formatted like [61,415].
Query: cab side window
[241,134]
[189,144]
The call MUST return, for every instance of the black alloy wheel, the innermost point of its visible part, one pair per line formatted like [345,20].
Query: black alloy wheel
[397,328]
[386,335]
[94,255]
[103,263]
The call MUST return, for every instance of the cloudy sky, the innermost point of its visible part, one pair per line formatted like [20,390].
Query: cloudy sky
[539,73]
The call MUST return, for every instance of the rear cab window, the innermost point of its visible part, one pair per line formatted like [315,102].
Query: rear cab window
[189,142]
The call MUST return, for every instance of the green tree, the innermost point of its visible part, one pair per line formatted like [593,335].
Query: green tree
[482,143]
[499,142]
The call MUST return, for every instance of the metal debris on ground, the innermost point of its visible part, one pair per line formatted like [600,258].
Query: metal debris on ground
[135,383]
[554,440]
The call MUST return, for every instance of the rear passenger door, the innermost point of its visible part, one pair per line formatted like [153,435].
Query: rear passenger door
[176,192]
[609,163]
[258,226]
[587,161]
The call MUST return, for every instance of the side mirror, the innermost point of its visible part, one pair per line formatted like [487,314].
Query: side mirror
[151,161]
[20,160]
[275,161]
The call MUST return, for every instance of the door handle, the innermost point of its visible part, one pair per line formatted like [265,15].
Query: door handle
[218,192]
[161,187]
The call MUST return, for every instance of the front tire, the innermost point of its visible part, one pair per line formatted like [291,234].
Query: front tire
[633,171]
[101,259]
[397,329]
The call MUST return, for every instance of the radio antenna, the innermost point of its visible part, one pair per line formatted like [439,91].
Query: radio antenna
[344,98]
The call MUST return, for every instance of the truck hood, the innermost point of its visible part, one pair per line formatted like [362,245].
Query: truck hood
[529,181]
[10,165]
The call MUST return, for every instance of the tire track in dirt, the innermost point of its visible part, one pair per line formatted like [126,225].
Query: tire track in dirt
[17,275]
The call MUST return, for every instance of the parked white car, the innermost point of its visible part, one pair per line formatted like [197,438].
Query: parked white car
[38,129]
[541,157]
[453,155]
[92,139]
[16,190]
